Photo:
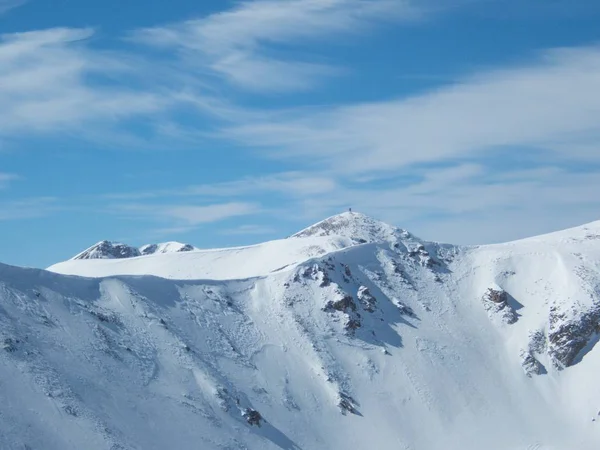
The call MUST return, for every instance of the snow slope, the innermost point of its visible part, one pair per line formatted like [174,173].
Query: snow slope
[351,334]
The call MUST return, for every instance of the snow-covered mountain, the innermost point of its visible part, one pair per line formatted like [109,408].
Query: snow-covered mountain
[108,250]
[117,250]
[166,247]
[349,334]
[356,226]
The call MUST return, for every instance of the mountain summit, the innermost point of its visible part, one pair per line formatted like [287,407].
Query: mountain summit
[356,226]
[108,250]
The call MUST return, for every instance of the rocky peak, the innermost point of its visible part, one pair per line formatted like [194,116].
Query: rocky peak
[166,247]
[117,250]
[108,250]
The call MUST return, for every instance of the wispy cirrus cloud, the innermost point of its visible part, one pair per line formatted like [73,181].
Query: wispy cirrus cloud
[51,80]
[552,105]
[7,5]
[243,45]
[293,183]
[181,218]
[57,80]
[246,196]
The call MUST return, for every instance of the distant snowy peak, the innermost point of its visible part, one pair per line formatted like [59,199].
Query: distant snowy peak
[108,250]
[356,226]
[166,247]
[117,250]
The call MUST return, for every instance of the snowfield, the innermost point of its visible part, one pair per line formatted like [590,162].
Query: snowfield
[351,334]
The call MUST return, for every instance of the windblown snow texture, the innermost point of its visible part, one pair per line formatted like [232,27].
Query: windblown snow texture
[352,334]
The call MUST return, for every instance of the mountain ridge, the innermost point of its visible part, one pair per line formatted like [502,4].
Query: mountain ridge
[357,226]
[334,233]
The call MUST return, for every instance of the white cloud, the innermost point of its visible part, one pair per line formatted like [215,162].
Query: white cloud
[549,105]
[241,44]
[45,84]
[287,183]
[59,80]
[294,183]
[185,216]
[7,5]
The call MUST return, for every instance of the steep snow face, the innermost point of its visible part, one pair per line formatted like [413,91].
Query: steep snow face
[560,270]
[389,344]
[166,247]
[108,250]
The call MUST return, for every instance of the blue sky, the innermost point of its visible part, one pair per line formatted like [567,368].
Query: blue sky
[225,123]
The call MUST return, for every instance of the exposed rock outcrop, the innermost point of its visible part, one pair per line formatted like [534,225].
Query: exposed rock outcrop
[347,404]
[117,250]
[538,343]
[10,345]
[405,310]
[531,366]
[345,304]
[317,273]
[366,299]
[166,247]
[253,417]
[420,254]
[567,336]
[495,302]
[109,250]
